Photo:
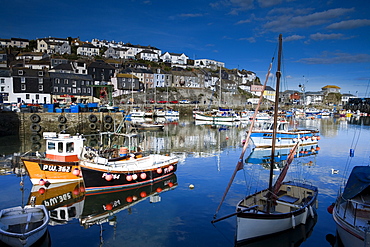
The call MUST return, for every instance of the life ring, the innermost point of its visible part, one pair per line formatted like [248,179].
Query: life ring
[36,146]
[35,118]
[108,119]
[62,119]
[62,127]
[93,118]
[92,126]
[108,126]
[35,138]
[35,127]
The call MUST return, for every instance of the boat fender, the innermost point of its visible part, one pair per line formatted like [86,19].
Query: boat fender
[129,178]
[93,118]
[35,127]
[62,119]
[35,138]
[143,175]
[159,170]
[108,119]
[35,118]
[36,146]
[311,212]
[92,126]
[293,221]
[108,126]
[134,176]
[62,127]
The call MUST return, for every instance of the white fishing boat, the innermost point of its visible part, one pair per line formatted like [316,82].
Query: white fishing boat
[285,137]
[23,226]
[351,212]
[282,205]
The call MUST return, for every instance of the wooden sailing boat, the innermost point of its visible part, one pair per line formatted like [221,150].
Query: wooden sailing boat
[283,205]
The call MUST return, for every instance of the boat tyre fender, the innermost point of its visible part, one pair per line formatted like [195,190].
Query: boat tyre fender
[62,119]
[108,119]
[62,127]
[93,118]
[35,138]
[92,126]
[35,127]
[35,118]
[36,146]
[108,126]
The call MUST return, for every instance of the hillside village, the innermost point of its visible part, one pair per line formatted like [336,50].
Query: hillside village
[51,70]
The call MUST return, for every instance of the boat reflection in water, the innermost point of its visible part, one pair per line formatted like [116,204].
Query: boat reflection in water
[63,201]
[263,155]
[293,237]
[100,206]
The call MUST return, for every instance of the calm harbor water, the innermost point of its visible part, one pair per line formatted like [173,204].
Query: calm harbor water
[169,213]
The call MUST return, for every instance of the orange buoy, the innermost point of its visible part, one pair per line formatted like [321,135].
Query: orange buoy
[129,178]
[317,148]
[129,199]
[143,175]
[109,206]
[108,177]
[42,182]
[170,167]
[76,172]
[159,190]
[330,208]
[170,184]
[42,191]
[318,137]
[143,194]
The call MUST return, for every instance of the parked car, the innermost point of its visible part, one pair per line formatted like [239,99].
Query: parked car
[174,102]
[162,101]
[150,101]
[184,101]
[195,102]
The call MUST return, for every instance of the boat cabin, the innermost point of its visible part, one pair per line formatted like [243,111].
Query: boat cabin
[63,147]
[281,126]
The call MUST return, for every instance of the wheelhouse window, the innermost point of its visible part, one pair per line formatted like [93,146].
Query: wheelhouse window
[60,147]
[70,147]
[51,145]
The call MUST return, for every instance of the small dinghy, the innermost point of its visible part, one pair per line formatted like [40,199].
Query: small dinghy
[23,226]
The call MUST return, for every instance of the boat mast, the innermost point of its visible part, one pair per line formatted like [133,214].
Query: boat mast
[278,75]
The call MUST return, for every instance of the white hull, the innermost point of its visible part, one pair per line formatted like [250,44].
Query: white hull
[263,142]
[254,228]
[204,117]
[295,202]
[350,236]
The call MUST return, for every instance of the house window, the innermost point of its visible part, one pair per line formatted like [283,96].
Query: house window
[66,81]
[2,80]
[74,91]
[41,88]
[78,90]
[27,96]
[62,89]
[41,73]
[20,72]
[37,96]
[74,83]
[55,89]
[2,89]
[83,90]
[23,80]
[88,90]
[87,83]
[23,87]
[41,80]
[69,90]
[82,82]
[57,81]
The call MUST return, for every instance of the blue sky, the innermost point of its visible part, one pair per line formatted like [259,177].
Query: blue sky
[325,42]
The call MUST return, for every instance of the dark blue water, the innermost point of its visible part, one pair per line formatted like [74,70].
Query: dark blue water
[172,214]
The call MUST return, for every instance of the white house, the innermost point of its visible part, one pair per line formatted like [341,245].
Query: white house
[88,50]
[208,63]
[174,58]
[148,55]
[6,86]
[53,45]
